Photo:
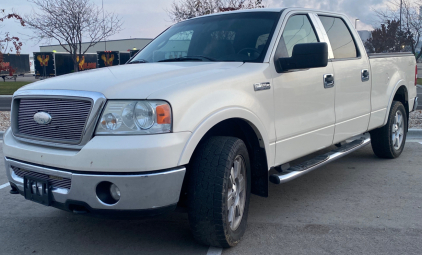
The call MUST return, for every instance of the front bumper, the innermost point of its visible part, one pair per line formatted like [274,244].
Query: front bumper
[149,191]
[105,154]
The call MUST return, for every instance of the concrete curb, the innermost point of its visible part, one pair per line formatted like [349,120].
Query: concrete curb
[414,132]
[8,96]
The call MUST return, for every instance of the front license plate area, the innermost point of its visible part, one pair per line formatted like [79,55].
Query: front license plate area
[37,190]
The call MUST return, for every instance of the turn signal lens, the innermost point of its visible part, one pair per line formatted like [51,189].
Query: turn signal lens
[163,114]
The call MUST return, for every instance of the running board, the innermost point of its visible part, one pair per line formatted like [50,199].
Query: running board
[312,164]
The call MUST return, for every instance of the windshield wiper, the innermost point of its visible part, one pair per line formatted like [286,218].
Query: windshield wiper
[188,58]
[200,56]
[180,59]
[138,61]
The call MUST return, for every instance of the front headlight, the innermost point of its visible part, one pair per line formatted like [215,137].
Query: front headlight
[135,117]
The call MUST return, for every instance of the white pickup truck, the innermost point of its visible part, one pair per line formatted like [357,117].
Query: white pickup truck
[201,115]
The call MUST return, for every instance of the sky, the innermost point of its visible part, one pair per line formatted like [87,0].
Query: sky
[148,18]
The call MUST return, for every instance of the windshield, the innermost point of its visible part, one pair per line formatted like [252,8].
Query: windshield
[230,37]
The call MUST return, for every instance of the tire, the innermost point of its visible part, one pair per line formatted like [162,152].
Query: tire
[214,163]
[389,140]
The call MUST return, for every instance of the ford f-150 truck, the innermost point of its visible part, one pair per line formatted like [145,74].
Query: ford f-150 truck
[200,116]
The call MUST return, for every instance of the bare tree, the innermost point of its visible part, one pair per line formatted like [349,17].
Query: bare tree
[8,42]
[187,9]
[70,22]
[411,22]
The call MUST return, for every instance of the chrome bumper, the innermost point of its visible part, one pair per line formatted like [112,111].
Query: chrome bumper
[415,104]
[139,191]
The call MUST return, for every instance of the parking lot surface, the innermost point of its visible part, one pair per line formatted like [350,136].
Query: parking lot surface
[357,205]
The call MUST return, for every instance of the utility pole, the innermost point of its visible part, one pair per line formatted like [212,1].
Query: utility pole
[401,3]
[105,39]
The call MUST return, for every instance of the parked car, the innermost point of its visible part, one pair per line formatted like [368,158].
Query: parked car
[200,115]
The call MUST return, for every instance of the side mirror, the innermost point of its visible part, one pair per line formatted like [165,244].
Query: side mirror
[304,56]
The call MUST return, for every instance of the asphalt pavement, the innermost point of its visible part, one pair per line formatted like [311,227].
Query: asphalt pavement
[359,204]
[5,101]
[26,77]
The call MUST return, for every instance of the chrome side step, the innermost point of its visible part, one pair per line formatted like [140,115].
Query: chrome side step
[312,164]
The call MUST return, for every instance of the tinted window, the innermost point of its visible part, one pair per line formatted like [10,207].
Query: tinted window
[229,37]
[177,46]
[340,38]
[297,30]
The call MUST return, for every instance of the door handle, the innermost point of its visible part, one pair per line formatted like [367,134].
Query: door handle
[365,75]
[328,81]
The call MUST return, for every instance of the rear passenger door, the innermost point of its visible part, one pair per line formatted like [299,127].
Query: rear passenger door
[351,77]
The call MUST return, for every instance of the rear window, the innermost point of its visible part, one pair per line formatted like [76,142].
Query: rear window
[341,40]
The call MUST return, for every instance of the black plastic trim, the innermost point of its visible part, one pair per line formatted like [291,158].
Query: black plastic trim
[97,173]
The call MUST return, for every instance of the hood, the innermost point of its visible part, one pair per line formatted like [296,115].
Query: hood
[134,81]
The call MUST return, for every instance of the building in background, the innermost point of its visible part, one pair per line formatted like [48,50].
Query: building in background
[112,45]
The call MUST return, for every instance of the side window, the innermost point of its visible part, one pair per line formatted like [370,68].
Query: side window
[340,38]
[297,30]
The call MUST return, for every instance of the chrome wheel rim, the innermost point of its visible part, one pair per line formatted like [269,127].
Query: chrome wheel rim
[397,131]
[236,194]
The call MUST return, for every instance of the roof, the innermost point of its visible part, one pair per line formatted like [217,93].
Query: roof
[240,11]
[270,10]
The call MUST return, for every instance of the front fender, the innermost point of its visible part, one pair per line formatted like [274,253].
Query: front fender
[219,116]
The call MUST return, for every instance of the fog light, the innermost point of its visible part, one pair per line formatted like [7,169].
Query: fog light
[108,193]
[115,192]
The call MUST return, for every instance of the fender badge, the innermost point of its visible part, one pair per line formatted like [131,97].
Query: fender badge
[261,86]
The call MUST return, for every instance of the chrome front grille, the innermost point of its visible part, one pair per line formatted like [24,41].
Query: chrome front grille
[68,119]
[54,181]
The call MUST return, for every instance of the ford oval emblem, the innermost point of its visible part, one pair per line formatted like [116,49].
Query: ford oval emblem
[42,118]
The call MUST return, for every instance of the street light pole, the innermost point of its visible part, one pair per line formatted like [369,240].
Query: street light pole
[356,20]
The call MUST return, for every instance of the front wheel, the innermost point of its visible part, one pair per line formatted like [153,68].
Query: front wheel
[218,191]
[389,140]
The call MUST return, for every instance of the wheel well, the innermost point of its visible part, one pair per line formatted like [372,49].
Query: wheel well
[248,133]
[401,95]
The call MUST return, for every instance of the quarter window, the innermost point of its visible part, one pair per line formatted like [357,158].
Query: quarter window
[297,30]
[340,38]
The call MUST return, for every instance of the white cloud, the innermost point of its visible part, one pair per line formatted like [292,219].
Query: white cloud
[147,18]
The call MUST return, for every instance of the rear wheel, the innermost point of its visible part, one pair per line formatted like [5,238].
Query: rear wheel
[389,140]
[219,191]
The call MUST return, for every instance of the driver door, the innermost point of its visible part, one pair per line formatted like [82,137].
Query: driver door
[304,105]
